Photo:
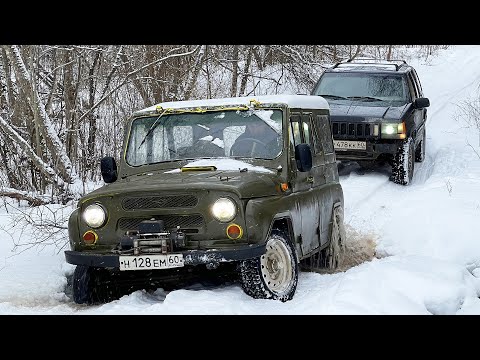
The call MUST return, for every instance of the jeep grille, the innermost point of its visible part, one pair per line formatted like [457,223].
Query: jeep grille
[159,202]
[170,221]
[352,130]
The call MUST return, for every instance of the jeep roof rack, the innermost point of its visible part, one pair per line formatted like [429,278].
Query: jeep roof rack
[373,62]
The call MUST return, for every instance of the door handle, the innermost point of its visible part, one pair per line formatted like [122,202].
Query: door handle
[310,179]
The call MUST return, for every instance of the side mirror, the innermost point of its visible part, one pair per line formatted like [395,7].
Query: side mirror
[108,167]
[303,156]
[421,103]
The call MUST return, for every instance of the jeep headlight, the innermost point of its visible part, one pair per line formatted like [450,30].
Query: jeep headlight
[224,210]
[95,215]
[393,131]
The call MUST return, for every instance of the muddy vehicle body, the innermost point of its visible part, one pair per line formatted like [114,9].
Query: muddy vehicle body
[188,198]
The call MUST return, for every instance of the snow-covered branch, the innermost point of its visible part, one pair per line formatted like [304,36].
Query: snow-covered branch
[33,200]
[53,142]
[39,163]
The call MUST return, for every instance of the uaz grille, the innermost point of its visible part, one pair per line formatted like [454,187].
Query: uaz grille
[159,202]
[170,221]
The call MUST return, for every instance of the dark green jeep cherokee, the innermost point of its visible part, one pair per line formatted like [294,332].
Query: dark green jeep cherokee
[245,185]
[378,114]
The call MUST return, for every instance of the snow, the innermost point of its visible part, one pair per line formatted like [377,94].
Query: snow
[266,115]
[294,101]
[216,141]
[425,235]
[223,164]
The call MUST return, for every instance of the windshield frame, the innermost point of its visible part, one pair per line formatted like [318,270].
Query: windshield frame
[358,97]
[169,163]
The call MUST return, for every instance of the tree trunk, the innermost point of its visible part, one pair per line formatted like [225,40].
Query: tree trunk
[233,86]
[54,144]
[11,173]
[258,58]
[243,83]
[196,70]
[69,96]
[207,71]
[92,120]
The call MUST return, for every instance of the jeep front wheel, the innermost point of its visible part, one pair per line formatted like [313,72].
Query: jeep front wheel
[274,275]
[403,163]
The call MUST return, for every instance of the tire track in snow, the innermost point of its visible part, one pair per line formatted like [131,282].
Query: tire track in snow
[452,94]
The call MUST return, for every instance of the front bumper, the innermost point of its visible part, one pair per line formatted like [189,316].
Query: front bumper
[190,257]
[373,151]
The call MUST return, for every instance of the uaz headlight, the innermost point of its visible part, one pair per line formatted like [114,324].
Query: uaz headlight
[224,210]
[95,215]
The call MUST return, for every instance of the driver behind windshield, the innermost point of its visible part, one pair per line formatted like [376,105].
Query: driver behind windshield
[258,140]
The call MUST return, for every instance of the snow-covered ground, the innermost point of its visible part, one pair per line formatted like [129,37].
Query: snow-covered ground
[425,235]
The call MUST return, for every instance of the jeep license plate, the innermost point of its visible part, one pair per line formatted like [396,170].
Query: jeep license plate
[349,145]
[150,262]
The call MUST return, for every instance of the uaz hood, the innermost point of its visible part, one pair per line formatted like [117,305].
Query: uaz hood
[246,184]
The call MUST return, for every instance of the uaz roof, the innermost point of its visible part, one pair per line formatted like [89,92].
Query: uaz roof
[292,101]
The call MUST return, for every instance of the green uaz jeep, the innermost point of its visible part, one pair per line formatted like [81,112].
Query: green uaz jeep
[247,185]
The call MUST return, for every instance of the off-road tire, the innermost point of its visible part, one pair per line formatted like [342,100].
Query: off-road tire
[334,252]
[274,275]
[420,151]
[93,286]
[403,163]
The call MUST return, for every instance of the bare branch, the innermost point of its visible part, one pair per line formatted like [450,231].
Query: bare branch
[39,163]
[132,73]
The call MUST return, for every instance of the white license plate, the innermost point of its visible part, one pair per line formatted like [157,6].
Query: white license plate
[151,262]
[349,145]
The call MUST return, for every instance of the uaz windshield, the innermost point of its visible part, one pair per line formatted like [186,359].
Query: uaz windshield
[212,134]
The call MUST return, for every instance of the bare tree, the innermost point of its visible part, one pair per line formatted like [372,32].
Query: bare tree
[54,144]
[469,114]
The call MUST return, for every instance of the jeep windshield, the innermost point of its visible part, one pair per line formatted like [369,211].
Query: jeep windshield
[376,89]
[210,134]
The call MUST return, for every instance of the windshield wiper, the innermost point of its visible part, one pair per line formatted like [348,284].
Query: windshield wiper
[333,96]
[153,127]
[366,98]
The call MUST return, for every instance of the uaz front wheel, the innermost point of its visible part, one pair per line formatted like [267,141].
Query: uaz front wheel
[274,275]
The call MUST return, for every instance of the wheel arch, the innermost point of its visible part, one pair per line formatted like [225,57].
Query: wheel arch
[73,230]
[284,223]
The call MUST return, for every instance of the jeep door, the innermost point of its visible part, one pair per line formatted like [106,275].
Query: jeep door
[419,115]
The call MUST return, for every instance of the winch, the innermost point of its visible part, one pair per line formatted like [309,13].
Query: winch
[151,238]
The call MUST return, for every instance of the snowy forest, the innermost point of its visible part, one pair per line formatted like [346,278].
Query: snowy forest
[409,250]
[62,107]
